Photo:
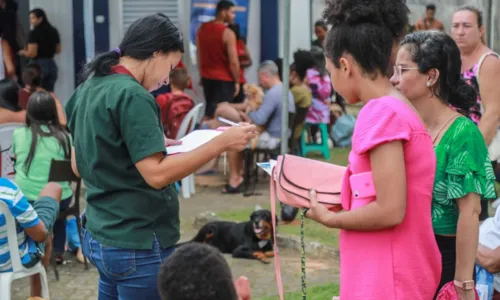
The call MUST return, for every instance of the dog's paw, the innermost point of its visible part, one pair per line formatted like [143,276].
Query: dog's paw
[269,254]
[261,256]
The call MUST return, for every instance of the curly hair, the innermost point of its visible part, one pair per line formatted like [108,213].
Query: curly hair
[365,29]
[196,272]
[437,50]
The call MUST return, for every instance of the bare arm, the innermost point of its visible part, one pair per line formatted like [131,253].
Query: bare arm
[490,98]
[38,232]
[489,258]
[159,171]
[234,63]
[469,208]
[8,59]
[73,162]
[387,161]
[31,51]
[18,116]
[60,111]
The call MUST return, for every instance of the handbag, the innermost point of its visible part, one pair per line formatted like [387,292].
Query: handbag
[291,180]
[449,292]
[296,176]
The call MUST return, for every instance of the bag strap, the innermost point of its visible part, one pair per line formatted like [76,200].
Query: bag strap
[303,256]
[277,268]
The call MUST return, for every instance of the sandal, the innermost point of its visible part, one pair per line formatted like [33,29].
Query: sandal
[228,189]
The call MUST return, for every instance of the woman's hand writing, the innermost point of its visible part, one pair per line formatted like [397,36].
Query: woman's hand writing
[236,138]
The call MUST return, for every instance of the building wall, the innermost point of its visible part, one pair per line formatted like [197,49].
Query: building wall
[300,26]
[444,12]
[60,15]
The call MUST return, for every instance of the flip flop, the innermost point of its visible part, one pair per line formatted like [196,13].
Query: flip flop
[228,189]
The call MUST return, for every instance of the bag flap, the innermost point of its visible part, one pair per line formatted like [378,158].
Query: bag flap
[304,173]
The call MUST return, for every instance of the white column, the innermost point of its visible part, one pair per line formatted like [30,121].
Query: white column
[300,28]
[60,15]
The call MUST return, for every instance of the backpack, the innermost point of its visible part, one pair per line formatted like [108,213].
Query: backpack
[173,109]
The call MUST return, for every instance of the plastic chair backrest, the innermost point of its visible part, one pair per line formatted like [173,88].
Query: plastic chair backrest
[15,258]
[6,131]
[189,121]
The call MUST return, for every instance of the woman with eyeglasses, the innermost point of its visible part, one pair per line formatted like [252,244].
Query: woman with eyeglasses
[427,72]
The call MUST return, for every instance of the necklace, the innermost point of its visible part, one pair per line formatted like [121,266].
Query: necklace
[453,117]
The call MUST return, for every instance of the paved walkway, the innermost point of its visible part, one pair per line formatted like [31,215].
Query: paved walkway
[76,283]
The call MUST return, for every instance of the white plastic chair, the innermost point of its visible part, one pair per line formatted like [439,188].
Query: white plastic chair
[187,126]
[6,131]
[18,270]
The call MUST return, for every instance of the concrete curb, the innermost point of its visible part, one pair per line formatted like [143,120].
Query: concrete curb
[283,241]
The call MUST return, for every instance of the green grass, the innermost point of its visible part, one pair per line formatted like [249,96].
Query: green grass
[339,156]
[321,292]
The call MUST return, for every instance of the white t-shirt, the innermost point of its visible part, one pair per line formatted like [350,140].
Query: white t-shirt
[489,236]
[2,66]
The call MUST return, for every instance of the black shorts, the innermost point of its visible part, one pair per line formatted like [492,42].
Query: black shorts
[240,98]
[216,91]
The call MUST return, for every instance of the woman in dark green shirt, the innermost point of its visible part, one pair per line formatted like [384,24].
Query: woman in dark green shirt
[427,71]
[132,216]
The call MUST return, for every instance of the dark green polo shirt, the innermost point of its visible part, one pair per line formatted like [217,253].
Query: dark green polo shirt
[115,123]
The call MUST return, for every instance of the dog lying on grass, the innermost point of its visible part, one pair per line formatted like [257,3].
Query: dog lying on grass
[252,239]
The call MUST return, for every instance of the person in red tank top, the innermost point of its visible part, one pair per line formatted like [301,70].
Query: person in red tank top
[217,58]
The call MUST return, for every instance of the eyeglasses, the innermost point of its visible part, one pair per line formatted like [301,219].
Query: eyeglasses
[398,70]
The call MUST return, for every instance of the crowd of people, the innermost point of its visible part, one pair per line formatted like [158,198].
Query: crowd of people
[425,138]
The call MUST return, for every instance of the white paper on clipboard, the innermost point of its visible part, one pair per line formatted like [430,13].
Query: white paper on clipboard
[267,166]
[193,140]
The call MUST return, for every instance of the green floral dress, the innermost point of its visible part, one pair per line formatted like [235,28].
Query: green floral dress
[463,167]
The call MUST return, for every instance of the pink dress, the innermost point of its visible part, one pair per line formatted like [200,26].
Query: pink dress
[402,262]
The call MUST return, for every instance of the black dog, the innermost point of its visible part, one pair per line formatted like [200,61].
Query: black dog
[252,239]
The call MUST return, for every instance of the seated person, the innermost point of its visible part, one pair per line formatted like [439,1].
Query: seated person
[34,224]
[32,78]
[198,271]
[10,112]
[267,116]
[488,252]
[301,92]
[172,115]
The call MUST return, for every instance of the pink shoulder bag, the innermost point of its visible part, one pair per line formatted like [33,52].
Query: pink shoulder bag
[293,178]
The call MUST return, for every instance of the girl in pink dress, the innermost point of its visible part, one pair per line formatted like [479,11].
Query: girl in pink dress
[387,245]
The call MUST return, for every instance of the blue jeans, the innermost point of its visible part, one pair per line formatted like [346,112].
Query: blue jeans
[125,274]
[59,240]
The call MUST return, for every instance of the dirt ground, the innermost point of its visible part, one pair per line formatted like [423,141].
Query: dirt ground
[76,283]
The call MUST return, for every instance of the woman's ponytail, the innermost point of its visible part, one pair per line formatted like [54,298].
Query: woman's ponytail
[101,65]
[462,95]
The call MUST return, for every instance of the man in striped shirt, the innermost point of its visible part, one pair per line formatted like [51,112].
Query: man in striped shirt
[34,224]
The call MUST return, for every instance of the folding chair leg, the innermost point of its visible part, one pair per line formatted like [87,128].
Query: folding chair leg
[192,184]
[45,284]
[53,262]
[79,228]
[185,188]
[248,157]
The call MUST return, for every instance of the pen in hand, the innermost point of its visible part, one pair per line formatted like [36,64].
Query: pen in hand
[228,122]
